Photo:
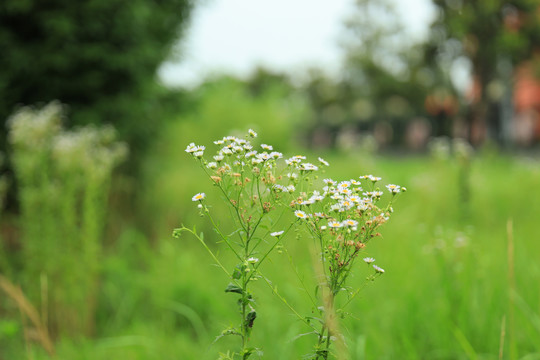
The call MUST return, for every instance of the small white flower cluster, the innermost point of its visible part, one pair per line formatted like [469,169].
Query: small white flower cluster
[282,188]
[395,189]
[35,128]
[89,151]
[347,201]
[296,162]
[235,150]
[345,216]
[369,261]
[197,151]
[241,169]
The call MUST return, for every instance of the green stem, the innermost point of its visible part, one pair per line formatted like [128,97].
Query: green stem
[245,337]
[210,252]
[274,291]
[225,239]
[300,278]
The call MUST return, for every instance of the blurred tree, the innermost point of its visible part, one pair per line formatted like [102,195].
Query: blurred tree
[327,102]
[385,79]
[263,80]
[99,57]
[490,34]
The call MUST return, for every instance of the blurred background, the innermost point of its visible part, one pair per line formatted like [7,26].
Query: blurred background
[100,98]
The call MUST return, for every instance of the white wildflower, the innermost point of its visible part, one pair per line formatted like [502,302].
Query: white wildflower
[308,167]
[334,224]
[292,176]
[263,156]
[349,222]
[218,158]
[198,197]
[324,162]
[276,155]
[394,189]
[330,182]
[191,148]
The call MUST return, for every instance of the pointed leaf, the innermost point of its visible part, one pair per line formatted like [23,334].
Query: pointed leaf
[251,318]
[233,288]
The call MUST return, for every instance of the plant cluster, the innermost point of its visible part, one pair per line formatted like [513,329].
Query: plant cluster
[260,187]
[63,180]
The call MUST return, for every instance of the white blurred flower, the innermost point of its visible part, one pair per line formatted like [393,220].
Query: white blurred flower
[394,189]
[334,224]
[349,222]
[198,197]
[308,167]
[324,162]
[191,148]
[218,158]
[369,260]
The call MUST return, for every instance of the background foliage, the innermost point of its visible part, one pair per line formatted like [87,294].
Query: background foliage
[100,57]
[460,253]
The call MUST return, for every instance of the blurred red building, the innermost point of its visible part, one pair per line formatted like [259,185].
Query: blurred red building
[526,99]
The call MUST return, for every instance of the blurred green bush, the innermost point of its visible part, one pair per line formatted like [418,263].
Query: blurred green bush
[63,178]
[100,57]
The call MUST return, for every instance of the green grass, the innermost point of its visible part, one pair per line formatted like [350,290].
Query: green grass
[445,294]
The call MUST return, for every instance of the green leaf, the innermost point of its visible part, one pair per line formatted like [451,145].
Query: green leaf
[238,271]
[251,318]
[247,352]
[234,288]
[237,274]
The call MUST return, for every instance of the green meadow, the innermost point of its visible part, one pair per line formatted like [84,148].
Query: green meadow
[461,255]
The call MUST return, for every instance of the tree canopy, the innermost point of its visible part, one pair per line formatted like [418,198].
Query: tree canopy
[99,57]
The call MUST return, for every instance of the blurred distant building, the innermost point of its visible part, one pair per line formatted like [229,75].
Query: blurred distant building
[526,122]
[522,122]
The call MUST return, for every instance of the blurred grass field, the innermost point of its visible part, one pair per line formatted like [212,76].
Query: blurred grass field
[460,275]
[451,287]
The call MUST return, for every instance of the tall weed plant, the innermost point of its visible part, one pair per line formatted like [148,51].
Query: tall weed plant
[339,217]
[63,180]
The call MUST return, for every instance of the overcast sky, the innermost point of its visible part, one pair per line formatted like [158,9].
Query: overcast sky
[235,36]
